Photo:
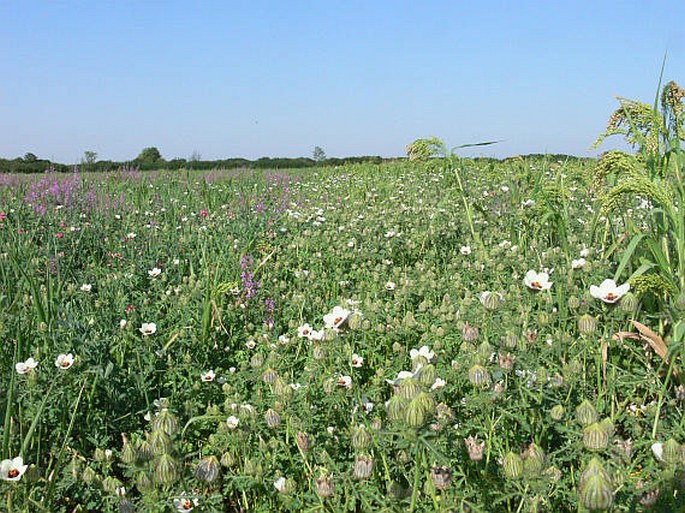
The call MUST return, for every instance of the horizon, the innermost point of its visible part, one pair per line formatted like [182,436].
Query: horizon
[264,79]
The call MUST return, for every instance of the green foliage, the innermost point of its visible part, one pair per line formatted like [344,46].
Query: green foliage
[318,154]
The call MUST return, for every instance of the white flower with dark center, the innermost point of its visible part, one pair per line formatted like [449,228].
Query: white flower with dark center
[148,328]
[344,381]
[86,287]
[578,264]
[465,250]
[438,384]
[305,331]
[250,344]
[184,504]
[390,286]
[537,281]
[336,317]
[423,352]
[12,470]
[64,361]
[154,272]
[208,376]
[26,367]
[357,361]
[608,291]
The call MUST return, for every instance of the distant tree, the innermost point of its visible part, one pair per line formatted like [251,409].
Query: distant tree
[196,156]
[150,154]
[30,157]
[318,154]
[148,158]
[424,149]
[89,157]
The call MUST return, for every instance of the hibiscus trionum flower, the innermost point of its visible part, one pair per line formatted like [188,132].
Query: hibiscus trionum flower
[148,328]
[183,504]
[208,376]
[64,361]
[12,470]
[155,271]
[26,367]
[336,317]
[537,281]
[608,291]
[357,361]
[423,352]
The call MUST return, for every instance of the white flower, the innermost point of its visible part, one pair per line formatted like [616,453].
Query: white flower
[439,383]
[280,484]
[183,504]
[608,291]
[232,422]
[423,352]
[402,375]
[284,339]
[465,250]
[12,470]
[64,361]
[578,264]
[123,323]
[344,381]
[658,451]
[86,287]
[250,344]
[317,335]
[26,367]
[131,235]
[148,328]
[208,376]
[304,331]
[584,252]
[390,285]
[357,361]
[155,271]
[336,317]
[295,386]
[537,281]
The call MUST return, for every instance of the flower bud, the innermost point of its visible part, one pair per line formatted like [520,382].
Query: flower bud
[534,460]
[671,452]
[427,375]
[165,421]
[361,438]
[160,442]
[491,301]
[269,376]
[587,324]
[208,469]
[441,477]
[557,412]
[512,465]
[304,441]
[325,487]
[510,341]
[88,475]
[470,333]
[354,321]
[479,375]
[256,361]
[128,453]
[111,484]
[629,303]
[474,448]
[166,470]
[586,413]
[363,467]
[144,451]
[126,506]
[396,407]
[409,388]
[573,302]
[595,489]
[143,482]
[506,362]
[273,419]
[414,414]
[595,437]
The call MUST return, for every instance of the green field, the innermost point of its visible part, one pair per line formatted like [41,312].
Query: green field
[415,336]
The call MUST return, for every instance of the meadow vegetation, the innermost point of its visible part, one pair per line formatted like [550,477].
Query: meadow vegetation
[437,334]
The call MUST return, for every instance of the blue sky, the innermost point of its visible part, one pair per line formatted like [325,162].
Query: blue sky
[276,78]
